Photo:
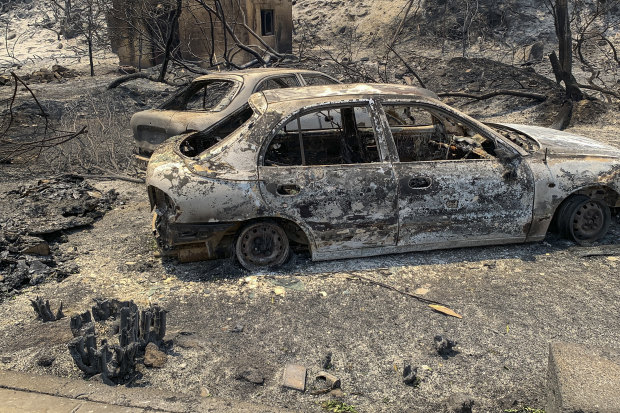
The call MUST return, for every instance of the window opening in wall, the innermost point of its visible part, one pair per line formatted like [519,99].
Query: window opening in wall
[266,20]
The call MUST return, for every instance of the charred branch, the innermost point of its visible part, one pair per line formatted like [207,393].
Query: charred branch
[599,89]
[133,76]
[556,67]
[13,148]
[413,72]
[402,22]
[565,47]
[502,92]
[255,35]
[219,14]
[171,30]
[562,120]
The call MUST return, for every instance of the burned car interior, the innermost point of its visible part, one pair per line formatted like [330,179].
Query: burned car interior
[198,142]
[213,95]
[345,135]
[421,135]
[277,82]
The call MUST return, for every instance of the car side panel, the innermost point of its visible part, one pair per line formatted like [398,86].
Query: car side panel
[557,177]
[345,206]
[463,200]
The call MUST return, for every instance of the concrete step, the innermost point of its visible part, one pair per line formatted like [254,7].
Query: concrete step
[582,379]
[24,392]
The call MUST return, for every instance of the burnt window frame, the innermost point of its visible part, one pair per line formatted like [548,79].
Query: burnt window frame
[264,14]
[318,75]
[375,117]
[435,110]
[178,101]
[279,76]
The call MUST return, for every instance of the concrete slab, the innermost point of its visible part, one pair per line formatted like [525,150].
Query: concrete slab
[295,377]
[24,392]
[14,401]
[583,380]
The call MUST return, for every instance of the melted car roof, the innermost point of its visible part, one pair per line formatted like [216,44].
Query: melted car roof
[339,90]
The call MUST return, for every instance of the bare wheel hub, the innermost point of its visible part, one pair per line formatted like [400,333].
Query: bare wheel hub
[262,245]
[588,220]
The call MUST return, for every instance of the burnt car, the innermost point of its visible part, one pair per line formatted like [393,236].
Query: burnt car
[361,170]
[209,99]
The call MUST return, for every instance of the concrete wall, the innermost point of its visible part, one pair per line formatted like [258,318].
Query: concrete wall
[127,32]
[197,36]
[282,39]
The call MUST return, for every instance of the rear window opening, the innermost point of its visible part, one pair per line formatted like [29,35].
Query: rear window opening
[211,95]
[199,142]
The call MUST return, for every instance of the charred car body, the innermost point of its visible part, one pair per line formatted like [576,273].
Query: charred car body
[208,99]
[361,170]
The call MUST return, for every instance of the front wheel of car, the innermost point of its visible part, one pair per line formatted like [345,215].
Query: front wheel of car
[262,245]
[583,219]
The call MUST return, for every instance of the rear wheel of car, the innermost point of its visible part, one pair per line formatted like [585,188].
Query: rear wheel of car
[262,245]
[583,219]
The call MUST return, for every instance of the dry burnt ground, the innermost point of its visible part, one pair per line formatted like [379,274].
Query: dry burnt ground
[225,322]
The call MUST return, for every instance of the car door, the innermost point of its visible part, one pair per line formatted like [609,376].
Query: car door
[328,170]
[454,189]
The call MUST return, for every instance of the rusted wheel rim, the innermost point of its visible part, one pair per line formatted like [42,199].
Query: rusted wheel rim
[588,221]
[263,245]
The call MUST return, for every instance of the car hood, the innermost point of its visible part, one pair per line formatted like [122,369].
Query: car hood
[564,143]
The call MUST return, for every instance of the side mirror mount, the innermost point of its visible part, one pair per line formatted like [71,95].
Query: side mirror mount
[505,156]
[511,162]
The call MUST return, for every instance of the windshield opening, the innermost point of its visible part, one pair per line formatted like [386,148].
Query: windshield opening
[209,95]
[518,138]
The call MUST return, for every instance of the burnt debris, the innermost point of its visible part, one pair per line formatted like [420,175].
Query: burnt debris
[444,347]
[35,221]
[43,311]
[116,363]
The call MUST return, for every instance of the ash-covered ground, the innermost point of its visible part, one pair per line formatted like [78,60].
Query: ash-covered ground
[229,328]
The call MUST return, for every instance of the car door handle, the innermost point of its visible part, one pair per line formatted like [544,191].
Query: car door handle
[419,182]
[288,189]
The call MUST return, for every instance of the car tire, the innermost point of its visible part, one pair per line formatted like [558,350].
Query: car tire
[262,245]
[583,219]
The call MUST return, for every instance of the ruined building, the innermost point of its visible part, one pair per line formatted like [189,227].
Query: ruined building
[139,29]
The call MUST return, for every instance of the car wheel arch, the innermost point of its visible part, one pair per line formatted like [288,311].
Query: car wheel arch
[597,192]
[600,192]
[295,231]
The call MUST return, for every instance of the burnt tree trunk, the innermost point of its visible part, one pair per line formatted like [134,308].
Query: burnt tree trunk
[89,38]
[171,30]
[565,47]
